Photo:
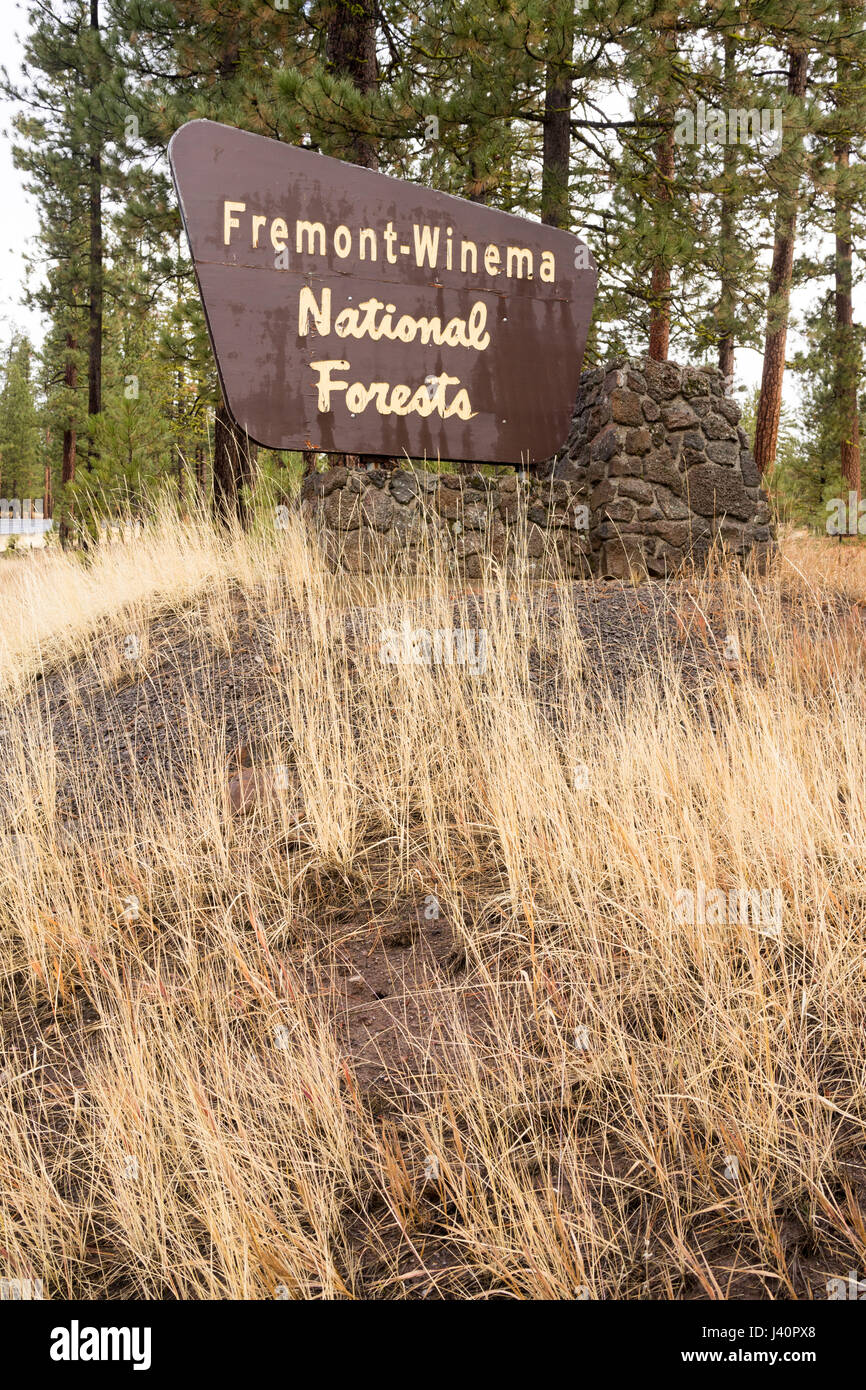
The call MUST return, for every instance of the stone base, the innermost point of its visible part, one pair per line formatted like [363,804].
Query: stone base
[658,453]
[656,471]
[381,519]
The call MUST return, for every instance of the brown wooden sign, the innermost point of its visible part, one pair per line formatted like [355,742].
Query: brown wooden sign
[352,312]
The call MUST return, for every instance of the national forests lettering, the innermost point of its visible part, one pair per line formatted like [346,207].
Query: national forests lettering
[377,319]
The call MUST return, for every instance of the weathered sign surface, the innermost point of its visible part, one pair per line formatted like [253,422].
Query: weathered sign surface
[353,312]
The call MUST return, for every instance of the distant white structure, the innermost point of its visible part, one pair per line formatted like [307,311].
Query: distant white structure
[24,519]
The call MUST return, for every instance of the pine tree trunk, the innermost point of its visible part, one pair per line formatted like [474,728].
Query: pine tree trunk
[770,400]
[232,451]
[475,191]
[94,345]
[556,139]
[350,51]
[727,231]
[847,363]
[475,186]
[233,460]
[660,281]
[726,360]
[67,472]
[476,183]
[847,351]
[94,350]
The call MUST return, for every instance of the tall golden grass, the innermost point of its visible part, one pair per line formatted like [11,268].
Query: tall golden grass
[592,1098]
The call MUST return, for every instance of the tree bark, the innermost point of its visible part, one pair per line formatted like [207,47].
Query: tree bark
[727,232]
[847,351]
[475,188]
[660,283]
[233,460]
[95,272]
[660,280]
[67,471]
[233,454]
[847,363]
[770,399]
[350,51]
[556,138]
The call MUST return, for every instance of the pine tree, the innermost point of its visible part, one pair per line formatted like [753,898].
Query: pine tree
[788,174]
[662,194]
[69,145]
[187,60]
[814,477]
[850,114]
[20,465]
[556,142]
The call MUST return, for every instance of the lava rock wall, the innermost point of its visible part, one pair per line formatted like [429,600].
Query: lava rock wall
[656,470]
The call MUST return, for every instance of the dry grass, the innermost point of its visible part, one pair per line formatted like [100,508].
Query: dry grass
[583,1095]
